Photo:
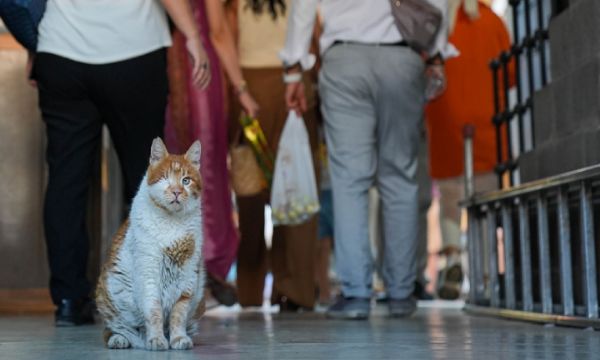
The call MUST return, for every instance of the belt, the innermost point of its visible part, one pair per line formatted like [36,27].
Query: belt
[345,42]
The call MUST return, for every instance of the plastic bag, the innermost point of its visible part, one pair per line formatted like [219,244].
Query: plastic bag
[294,197]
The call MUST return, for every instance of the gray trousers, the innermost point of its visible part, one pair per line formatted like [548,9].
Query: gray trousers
[424,181]
[372,101]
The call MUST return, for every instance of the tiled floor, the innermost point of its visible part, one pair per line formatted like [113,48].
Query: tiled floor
[435,332]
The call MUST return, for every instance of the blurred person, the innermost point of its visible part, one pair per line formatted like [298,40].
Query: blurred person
[195,113]
[325,243]
[480,35]
[260,27]
[372,88]
[99,63]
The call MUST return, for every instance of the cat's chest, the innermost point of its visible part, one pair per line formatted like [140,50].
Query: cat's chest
[176,242]
[180,251]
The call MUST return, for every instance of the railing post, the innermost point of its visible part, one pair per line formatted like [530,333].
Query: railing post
[529,43]
[509,256]
[507,114]
[516,51]
[566,266]
[541,35]
[468,134]
[544,254]
[525,249]
[493,254]
[588,251]
[497,121]
[477,286]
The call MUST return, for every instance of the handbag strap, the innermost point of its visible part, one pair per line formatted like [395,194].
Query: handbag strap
[238,136]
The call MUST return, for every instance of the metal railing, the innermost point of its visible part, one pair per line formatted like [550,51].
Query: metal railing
[533,249]
[528,55]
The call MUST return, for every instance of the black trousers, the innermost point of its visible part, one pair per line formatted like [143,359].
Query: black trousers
[76,99]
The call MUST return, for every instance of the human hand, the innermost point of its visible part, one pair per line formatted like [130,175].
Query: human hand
[29,69]
[295,99]
[248,104]
[435,76]
[200,65]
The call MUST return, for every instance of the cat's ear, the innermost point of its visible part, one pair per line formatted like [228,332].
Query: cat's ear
[158,151]
[193,154]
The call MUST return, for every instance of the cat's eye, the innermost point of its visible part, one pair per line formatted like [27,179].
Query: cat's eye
[186,181]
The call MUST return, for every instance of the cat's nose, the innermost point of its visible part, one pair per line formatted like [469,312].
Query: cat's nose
[176,193]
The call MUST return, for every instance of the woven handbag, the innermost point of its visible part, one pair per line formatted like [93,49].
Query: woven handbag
[247,178]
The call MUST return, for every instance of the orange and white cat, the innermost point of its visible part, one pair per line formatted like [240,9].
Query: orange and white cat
[150,291]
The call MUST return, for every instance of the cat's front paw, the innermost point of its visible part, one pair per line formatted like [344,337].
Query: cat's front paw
[182,343]
[117,341]
[157,343]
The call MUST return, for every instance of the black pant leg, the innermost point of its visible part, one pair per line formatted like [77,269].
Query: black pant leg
[73,132]
[132,98]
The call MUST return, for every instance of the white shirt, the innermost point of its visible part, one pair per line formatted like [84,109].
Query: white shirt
[103,31]
[365,21]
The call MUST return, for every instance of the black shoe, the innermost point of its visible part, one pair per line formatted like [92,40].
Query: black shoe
[399,308]
[350,308]
[74,312]
[420,293]
[223,292]
[381,297]
[286,305]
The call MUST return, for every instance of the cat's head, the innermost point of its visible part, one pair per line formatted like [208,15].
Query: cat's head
[174,182]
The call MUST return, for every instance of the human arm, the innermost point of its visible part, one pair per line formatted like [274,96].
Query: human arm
[231,10]
[441,45]
[223,41]
[181,13]
[295,54]
[441,50]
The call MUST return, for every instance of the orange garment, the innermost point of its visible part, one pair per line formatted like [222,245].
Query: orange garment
[469,96]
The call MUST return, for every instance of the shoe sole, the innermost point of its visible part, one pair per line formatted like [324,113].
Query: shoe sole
[348,315]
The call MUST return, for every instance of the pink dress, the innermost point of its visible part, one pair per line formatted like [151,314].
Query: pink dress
[200,114]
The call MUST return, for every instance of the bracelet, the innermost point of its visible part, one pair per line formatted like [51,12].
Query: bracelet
[292,78]
[295,65]
[242,88]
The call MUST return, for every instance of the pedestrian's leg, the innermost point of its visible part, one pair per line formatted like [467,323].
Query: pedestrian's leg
[294,254]
[349,112]
[324,246]
[424,196]
[400,111]
[252,261]
[322,276]
[132,97]
[73,131]
[293,259]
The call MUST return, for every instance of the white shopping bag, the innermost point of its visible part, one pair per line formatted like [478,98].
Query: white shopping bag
[294,197]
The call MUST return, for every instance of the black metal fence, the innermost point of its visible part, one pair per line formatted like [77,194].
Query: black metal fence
[533,248]
[513,116]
